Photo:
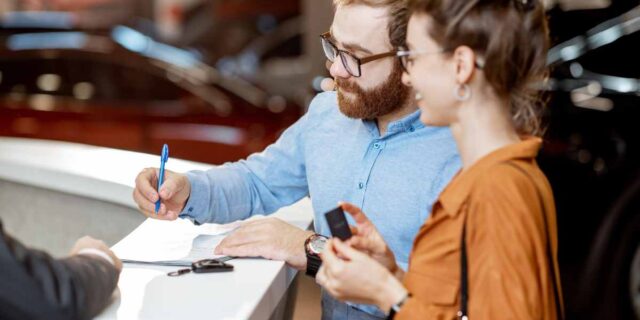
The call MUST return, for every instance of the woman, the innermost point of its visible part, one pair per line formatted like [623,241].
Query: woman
[489,248]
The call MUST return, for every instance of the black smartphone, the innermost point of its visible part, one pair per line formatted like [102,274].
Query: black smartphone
[210,265]
[338,224]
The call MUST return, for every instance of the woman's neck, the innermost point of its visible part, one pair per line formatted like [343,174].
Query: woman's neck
[483,126]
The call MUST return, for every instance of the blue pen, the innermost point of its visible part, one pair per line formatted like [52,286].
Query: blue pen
[163,159]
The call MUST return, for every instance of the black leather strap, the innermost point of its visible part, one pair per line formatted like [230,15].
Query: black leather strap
[313,265]
[464,277]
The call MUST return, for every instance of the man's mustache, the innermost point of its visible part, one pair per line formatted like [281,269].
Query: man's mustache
[347,87]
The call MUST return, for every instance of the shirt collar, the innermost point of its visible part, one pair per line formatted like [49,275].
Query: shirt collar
[409,123]
[458,190]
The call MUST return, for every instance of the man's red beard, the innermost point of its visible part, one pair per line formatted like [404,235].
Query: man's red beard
[355,102]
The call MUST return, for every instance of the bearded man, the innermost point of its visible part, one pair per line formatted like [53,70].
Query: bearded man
[363,144]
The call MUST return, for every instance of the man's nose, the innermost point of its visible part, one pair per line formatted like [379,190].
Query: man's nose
[337,69]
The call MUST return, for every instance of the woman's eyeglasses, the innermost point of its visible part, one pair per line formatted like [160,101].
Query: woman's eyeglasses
[407,57]
[350,62]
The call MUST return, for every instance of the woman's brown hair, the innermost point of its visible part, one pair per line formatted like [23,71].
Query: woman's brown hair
[511,39]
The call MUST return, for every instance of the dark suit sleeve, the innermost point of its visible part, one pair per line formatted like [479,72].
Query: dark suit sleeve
[37,286]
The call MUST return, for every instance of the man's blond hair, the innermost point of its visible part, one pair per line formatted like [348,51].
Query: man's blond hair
[398,16]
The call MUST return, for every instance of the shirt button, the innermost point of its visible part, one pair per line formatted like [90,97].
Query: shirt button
[412,129]
[376,145]
[360,185]
[190,209]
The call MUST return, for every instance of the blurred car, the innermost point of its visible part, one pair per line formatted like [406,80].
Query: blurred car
[592,156]
[119,88]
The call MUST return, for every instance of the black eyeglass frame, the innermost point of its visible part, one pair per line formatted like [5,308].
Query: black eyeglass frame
[325,38]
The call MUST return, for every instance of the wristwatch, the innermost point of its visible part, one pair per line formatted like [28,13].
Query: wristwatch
[313,246]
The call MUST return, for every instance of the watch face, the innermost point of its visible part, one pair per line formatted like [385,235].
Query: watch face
[317,244]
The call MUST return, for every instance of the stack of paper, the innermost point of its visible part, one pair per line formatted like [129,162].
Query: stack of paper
[178,242]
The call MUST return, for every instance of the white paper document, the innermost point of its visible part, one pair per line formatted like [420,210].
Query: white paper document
[178,242]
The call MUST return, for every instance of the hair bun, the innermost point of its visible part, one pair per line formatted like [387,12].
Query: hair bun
[525,5]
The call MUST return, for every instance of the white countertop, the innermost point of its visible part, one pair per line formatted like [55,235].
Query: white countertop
[94,172]
[251,291]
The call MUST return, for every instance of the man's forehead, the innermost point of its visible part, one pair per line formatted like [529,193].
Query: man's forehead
[363,25]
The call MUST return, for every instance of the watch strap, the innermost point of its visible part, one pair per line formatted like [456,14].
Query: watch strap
[313,260]
[313,265]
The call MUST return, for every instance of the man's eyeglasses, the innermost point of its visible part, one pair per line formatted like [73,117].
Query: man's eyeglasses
[406,57]
[350,62]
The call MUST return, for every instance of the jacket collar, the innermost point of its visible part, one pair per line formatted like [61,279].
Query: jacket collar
[460,187]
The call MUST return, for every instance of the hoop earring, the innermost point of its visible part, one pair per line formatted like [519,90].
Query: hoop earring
[462,92]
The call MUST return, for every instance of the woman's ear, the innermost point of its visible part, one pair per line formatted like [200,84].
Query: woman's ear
[464,60]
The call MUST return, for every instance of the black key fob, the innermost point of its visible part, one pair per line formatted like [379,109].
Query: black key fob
[210,265]
[338,224]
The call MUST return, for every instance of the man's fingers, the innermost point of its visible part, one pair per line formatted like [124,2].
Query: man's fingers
[246,250]
[159,216]
[169,215]
[142,201]
[168,188]
[145,205]
[327,84]
[238,237]
[355,212]
[144,182]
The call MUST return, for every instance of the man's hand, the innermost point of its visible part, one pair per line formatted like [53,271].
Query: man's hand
[270,238]
[367,238]
[174,193]
[87,242]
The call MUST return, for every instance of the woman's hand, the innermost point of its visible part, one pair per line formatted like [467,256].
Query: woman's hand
[367,238]
[358,278]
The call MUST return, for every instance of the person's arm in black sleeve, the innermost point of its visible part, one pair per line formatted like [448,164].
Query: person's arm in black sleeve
[37,286]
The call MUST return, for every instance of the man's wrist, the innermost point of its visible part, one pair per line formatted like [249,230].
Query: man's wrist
[196,203]
[302,252]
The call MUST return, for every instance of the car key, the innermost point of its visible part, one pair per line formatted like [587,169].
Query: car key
[203,266]
[338,224]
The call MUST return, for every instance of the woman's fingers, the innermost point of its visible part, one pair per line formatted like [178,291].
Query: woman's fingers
[355,212]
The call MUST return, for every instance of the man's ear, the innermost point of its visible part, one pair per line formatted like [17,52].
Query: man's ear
[464,61]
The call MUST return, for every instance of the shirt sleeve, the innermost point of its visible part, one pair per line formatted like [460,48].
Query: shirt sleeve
[261,184]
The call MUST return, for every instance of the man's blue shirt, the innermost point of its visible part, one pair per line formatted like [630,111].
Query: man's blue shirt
[394,178]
